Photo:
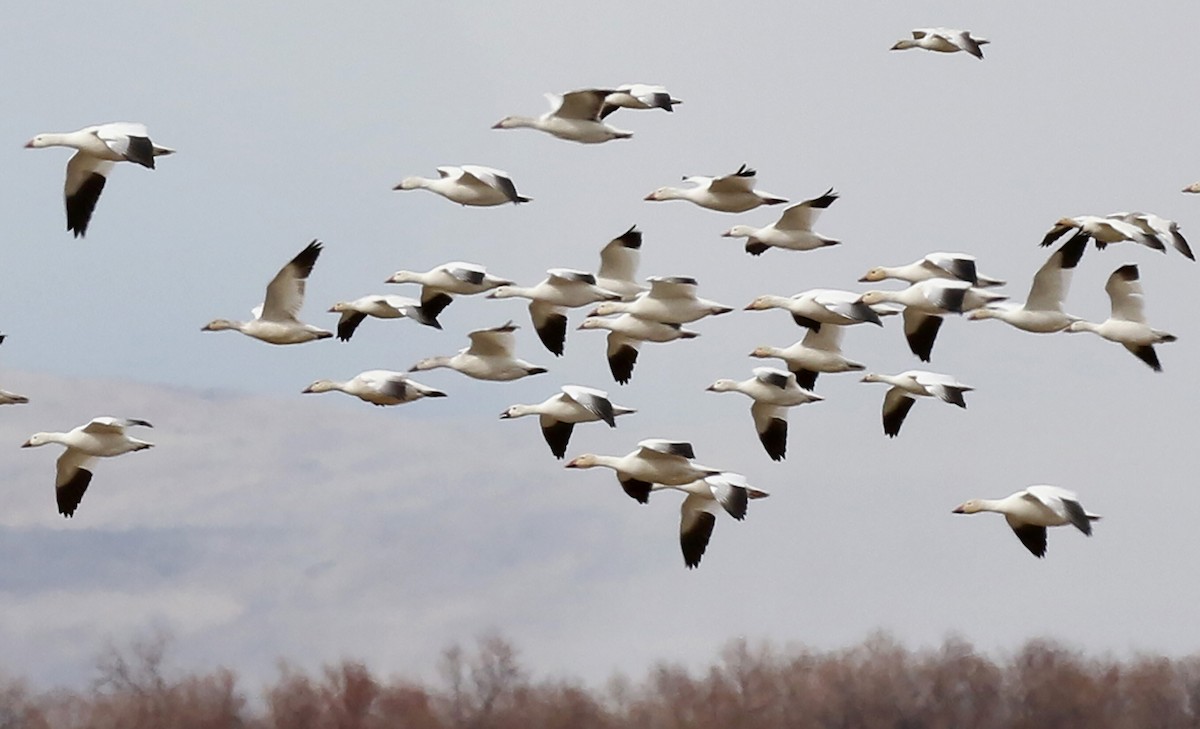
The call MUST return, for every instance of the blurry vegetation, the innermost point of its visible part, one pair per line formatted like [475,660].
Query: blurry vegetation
[878,683]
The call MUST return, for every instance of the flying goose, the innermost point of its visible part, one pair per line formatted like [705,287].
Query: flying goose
[706,498]
[98,147]
[489,357]
[819,351]
[439,285]
[793,231]
[474,185]
[733,193]
[564,288]
[1042,311]
[618,264]
[1194,187]
[773,392]
[939,264]
[1127,324]
[1103,231]
[275,319]
[378,387]
[102,437]
[625,333]
[943,40]
[559,413]
[1030,510]
[638,96]
[926,302]
[671,300]
[907,386]
[815,307]
[656,461]
[573,116]
[381,307]
[9,398]
[1159,227]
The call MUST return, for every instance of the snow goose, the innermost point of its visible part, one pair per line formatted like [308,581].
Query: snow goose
[815,307]
[439,285]
[671,300]
[378,387]
[489,357]
[564,288]
[1030,510]
[819,351]
[727,194]
[907,386]
[275,319]
[1159,227]
[1103,231]
[102,437]
[381,307]
[793,231]
[9,398]
[943,40]
[638,96]
[625,333]
[618,264]
[705,500]
[926,302]
[559,413]
[468,185]
[656,461]
[1127,325]
[1194,187]
[940,264]
[773,392]
[98,147]
[1042,311]
[573,116]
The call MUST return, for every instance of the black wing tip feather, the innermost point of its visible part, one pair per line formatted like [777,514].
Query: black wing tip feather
[921,341]
[1078,517]
[774,439]
[825,200]
[694,541]
[558,436]
[745,171]
[141,151]
[807,323]
[71,493]
[307,258]
[1128,272]
[436,303]
[806,379]
[553,334]
[1072,252]
[756,248]
[621,363]
[1033,537]
[1147,354]
[347,325]
[893,420]
[82,204]
[639,491]
[631,238]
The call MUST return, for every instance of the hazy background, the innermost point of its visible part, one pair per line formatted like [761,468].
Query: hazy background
[267,524]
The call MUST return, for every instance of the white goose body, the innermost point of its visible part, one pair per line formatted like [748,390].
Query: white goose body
[793,231]
[818,352]
[706,499]
[816,307]
[1031,510]
[573,116]
[98,148]
[907,386]
[943,40]
[102,437]
[656,461]
[441,284]
[381,307]
[733,193]
[378,387]
[773,392]
[940,264]
[625,333]
[564,288]
[473,185]
[275,319]
[561,412]
[671,300]
[1127,324]
[1042,312]
[489,357]
[926,302]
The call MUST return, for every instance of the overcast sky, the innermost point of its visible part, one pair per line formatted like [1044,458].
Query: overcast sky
[269,524]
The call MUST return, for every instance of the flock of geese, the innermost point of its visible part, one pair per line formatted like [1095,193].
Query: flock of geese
[938,285]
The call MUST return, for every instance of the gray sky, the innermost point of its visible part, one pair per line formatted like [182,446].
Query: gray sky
[267,524]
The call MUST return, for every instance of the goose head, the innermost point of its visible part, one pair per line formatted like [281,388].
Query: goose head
[973,506]
[36,439]
[217,325]
[606,308]
[762,302]
[871,298]
[763,352]
[512,122]
[872,377]
[739,231]
[320,386]
[516,411]
[411,183]
[875,274]
[402,277]
[663,193]
[587,460]
[723,386]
